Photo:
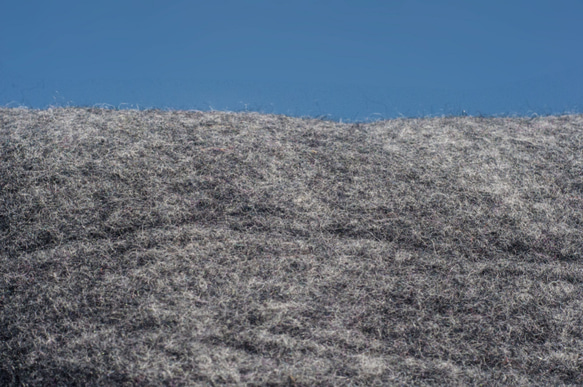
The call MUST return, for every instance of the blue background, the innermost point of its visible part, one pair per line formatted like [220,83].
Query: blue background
[356,60]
